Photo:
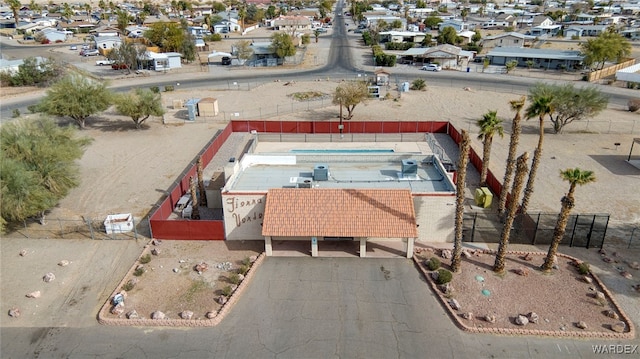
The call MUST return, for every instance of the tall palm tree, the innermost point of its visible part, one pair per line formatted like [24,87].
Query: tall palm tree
[463,160]
[516,105]
[489,124]
[521,171]
[542,105]
[201,188]
[195,214]
[15,6]
[575,176]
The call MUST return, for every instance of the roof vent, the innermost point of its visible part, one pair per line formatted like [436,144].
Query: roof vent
[409,168]
[321,172]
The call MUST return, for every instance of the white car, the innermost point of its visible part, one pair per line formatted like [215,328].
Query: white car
[431,67]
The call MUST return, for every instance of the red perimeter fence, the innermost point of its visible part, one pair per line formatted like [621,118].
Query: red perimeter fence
[164,228]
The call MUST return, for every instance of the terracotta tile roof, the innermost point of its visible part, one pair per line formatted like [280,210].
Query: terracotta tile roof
[291,212]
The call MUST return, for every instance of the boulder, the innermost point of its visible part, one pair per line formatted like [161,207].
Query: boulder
[599,295]
[176,270]
[446,254]
[133,315]
[607,259]
[467,316]
[14,312]
[634,265]
[465,253]
[454,304]
[626,274]
[619,327]
[528,257]
[581,325]
[240,277]
[35,294]
[587,279]
[158,315]
[222,300]
[117,309]
[611,314]
[252,259]
[602,251]
[490,318]
[522,320]
[23,253]
[446,288]
[156,242]
[434,276]
[187,314]
[48,277]
[155,251]
[123,293]
[211,315]
[140,267]
[636,287]
[201,267]
[533,317]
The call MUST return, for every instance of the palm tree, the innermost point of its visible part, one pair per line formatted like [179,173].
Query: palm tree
[541,105]
[490,124]
[516,105]
[575,176]
[463,160]
[15,6]
[521,171]
[195,214]
[201,188]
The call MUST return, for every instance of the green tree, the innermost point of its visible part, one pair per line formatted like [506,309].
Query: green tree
[541,105]
[169,36]
[477,36]
[349,94]
[124,19]
[463,160]
[282,45]
[37,167]
[244,49]
[516,128]
[574,176]
[521,172]
[395,24]
[432,21]
[127,54]
[31,73]
[448,35]
[489,125]
[511,65]
[574,104]
[76,97]
[609,46]
[139,104]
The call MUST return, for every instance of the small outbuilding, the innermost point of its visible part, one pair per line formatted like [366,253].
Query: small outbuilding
[208,107]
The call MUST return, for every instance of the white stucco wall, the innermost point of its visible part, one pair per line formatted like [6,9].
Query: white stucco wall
[243,215]
[435,216]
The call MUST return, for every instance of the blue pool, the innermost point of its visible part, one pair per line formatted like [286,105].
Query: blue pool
[346,150]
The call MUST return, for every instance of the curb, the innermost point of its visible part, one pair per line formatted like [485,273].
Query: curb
[630,334]
[104,319]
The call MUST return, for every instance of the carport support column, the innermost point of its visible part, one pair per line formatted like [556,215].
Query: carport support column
[410,247]
[314,246]
[363,247]
[267,246]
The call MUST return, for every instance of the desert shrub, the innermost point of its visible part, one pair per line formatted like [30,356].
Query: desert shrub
[128,286]
[246,261]
[243,269]
[234,278]
[168,88]
[634,104]
[227,290]
[444,276]
[154,89]
[419,84]
[138,272]
[15,113]
[583,268]
[433,263]
[145,259]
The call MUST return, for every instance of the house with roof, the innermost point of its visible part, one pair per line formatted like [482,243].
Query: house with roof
[373,19]
[106,31]
[458,25]
[541,20]
[510,39]
[401,36]
[584,30]
[13,66]
[544,31]
[104,44]
[506,20]
[448,56]
[53,35]
[291,24]
[162,61]
[541,58]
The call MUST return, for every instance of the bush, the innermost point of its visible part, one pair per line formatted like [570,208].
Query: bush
[226,291]
[444,276]
[145,259]
[154,89]
[15,113]
[243,269]
[127,287]
[138,272]
[168,88]
[583,268]
[419,85]
[433,263]
[234,278]
[246,261]
[401,46]
[634,104]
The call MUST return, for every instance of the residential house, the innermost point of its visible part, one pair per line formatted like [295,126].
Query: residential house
[162,61]
[291,24]
[202,11]
[53,35]
[631,34]
[466,36]
[104,44]
[584,30]
[541,20]
[263,55]
[458,25]
[510,39]
[507,20]
[372,20]
[136,31]
[106,31]
[545,31]
[401,36]
[13,66]
[541,58]
[448,56]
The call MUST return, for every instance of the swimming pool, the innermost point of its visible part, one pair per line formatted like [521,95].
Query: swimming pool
[344,150]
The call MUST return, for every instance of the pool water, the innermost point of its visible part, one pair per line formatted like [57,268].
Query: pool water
[347,150]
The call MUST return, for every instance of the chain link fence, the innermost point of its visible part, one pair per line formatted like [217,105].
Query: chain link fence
[85,228]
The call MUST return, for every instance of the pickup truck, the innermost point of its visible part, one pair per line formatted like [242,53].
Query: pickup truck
[104,62]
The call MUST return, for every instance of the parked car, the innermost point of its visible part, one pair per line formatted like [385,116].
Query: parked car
[104,62]
[431,67]
[93,52]
[321,29]
[226,60]
[118,66]
[73,47]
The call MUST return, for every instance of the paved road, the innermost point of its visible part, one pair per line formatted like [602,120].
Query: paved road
[305,308]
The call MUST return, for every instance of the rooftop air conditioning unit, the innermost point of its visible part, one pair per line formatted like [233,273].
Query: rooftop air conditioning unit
[409,168]
[305,182]
[321,172]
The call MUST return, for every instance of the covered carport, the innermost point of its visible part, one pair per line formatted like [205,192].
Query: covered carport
[312,214]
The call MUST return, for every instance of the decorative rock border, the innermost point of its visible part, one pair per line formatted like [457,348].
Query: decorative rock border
[103,314]
[552,333]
